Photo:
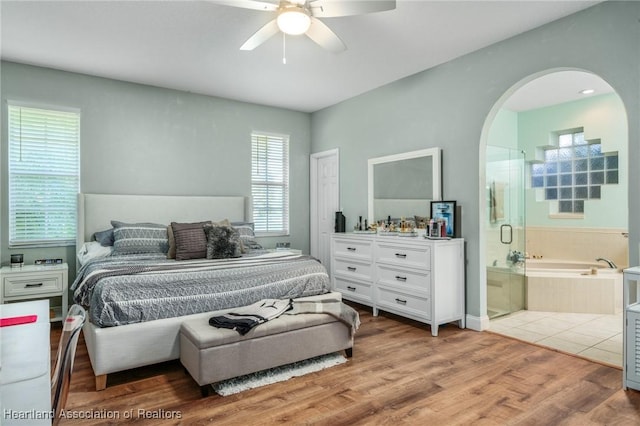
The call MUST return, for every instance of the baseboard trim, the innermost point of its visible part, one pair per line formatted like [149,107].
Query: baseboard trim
[477,323]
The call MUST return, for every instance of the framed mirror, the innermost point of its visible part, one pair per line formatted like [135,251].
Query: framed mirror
[403,185]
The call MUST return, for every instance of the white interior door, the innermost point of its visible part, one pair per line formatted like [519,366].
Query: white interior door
[325,201]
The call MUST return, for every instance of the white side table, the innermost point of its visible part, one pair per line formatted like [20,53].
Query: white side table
[33,282]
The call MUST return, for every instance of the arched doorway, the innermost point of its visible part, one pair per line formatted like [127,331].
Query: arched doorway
[555,161]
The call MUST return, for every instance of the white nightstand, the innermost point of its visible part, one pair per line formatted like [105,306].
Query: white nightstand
[37,282]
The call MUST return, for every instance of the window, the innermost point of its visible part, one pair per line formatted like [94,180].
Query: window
[270,183]
[44,175]
[574,172]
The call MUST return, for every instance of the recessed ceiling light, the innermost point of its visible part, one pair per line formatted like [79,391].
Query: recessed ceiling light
[587,91]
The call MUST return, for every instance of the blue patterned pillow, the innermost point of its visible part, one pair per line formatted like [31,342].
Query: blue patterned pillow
[133,238]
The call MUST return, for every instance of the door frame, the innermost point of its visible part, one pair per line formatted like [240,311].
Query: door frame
[313,195]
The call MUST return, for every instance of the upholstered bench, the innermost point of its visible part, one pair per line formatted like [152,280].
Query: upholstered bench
[213,354]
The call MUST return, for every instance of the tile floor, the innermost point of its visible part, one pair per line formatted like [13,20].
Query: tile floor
[592,336]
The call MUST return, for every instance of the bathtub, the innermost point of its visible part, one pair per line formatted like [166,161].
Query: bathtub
[572,286]
[540,265]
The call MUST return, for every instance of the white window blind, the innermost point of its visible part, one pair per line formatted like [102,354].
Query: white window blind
[270,183]
[44,172]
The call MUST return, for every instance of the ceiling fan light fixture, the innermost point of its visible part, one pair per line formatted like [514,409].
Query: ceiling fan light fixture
[294,20]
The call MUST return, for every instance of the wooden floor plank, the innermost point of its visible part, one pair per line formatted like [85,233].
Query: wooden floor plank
[399,374]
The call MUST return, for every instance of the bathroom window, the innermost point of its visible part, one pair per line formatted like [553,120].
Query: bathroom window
[574,172]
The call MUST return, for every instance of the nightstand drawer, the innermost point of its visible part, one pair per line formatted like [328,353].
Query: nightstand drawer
[33,285]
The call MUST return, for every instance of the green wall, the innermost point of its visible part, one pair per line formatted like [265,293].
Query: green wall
[504,130]
[138,139]
[602,117]
[448,106]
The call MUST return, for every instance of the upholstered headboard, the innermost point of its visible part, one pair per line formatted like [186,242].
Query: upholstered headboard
[95,211]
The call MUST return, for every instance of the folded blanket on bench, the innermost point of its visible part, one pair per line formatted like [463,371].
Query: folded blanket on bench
[343,313]
[244,319]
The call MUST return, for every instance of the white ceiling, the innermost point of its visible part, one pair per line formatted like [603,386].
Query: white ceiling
[556,88]
[194,45]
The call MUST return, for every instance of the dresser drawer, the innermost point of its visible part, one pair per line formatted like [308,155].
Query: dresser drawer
[404,303]
[353,269]
[413,281]
[32,285]
[353,290]
[412,256]
[353,249]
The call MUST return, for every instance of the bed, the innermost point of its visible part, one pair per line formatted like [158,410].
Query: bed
[120,338]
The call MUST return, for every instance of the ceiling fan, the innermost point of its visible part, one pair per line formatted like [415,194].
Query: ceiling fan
[295,17]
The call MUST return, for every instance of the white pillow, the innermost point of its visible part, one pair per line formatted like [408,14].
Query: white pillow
[93,250]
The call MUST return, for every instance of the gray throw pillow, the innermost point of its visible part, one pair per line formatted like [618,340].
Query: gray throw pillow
[105,238]
[222,242]
[247,236]
[134,238]
[190,240]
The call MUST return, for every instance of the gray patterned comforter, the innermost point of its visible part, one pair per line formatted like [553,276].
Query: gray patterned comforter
[123,290]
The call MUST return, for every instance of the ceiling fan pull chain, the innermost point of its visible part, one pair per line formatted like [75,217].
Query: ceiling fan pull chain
[284,49]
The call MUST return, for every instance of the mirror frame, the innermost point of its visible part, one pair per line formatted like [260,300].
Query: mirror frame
[436,175]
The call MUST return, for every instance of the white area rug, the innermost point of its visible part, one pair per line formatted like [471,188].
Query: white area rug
[277,374]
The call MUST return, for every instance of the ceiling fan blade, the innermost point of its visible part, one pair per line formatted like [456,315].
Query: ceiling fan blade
[248,4]
[262,35]
[334,8]
[323,35]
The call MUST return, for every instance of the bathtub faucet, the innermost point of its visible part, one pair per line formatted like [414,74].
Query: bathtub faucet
[611,264]
[515,256]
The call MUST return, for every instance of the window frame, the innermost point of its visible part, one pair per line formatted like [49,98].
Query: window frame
[23,239]
[284,184]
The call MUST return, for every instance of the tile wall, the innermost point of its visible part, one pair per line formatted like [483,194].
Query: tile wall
[582,244]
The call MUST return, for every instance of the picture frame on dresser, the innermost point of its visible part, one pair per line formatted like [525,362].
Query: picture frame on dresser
[445,210]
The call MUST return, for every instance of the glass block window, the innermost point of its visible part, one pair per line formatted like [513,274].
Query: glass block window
[574,171]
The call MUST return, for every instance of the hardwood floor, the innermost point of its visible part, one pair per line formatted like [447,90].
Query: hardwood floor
[399,374]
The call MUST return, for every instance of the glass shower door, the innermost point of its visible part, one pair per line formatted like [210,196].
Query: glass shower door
[505,231]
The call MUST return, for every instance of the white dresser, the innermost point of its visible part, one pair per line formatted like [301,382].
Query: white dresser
[409,276]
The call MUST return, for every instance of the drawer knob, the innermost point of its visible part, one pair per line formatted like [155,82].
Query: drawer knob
[400,301]
[33,285]
[351,268]
[351,248]
[401,255]
[351,288]
[399,278]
